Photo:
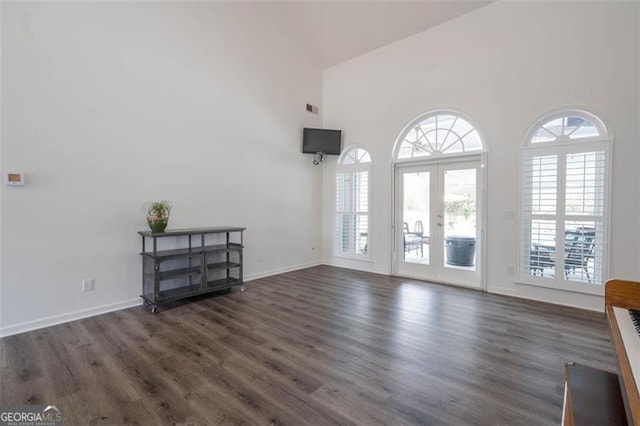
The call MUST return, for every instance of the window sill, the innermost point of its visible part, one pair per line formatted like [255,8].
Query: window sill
[572,286]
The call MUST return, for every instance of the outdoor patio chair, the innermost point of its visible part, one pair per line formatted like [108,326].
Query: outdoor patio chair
[541,257]
[579,245]
[412,240]
[419,229]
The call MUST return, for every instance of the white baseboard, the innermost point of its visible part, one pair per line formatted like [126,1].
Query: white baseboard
[511,293]
[382,272]
[116,306]
[264,274]
[85,313]
[67,317]
[501,290]
[356,265]
[452,284]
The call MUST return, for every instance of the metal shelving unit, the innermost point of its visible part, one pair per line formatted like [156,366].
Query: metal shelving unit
[175,273]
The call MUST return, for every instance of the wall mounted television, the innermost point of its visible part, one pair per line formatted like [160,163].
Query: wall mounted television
[325,141]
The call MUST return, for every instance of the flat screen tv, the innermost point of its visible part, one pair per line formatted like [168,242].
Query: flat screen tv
[321,141]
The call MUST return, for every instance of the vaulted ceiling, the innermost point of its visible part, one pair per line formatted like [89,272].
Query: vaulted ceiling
[337,31]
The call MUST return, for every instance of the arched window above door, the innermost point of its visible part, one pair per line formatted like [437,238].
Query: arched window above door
[438,133]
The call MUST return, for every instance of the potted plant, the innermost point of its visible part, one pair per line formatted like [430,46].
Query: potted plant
[157,213]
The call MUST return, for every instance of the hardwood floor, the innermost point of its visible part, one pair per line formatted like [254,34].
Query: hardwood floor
[322,345]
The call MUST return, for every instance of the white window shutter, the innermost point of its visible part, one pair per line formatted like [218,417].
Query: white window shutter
[352,212]
[585,203]
[539,202]
[564,230]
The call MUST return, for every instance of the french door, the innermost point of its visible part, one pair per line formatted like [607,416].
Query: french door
[438,215]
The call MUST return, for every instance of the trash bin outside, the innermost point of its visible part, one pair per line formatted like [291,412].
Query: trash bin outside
[460,250]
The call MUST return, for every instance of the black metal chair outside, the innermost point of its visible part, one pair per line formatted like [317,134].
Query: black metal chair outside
[412,240]
[419,229]
[579,247]
[579,251]
[541,257]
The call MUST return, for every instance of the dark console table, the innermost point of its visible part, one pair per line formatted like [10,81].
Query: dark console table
[190,262]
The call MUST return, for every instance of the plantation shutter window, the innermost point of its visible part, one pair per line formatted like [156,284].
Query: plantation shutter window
[564,204]
[352,203]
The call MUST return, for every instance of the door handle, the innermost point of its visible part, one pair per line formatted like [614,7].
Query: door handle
[439,224]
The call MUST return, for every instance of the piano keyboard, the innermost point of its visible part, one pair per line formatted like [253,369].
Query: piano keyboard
[635,317]
[629,325]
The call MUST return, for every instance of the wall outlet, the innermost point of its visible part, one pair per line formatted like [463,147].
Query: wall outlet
[88,285]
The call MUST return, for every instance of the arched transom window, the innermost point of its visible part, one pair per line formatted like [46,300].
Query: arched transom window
[354,155]
[569,126]
[565,202]
[352,203]
[439,133]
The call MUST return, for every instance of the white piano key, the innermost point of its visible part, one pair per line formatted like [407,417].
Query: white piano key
[630,339]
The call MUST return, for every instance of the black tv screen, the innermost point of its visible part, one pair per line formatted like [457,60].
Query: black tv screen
[321,140]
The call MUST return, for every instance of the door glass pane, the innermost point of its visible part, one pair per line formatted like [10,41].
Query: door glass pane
[415,217]
[460,219]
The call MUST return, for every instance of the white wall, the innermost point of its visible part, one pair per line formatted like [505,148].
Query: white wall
[504,66]
[108,105]
[637,37]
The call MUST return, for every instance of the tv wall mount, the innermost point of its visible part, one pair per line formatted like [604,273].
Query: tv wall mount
[318,158]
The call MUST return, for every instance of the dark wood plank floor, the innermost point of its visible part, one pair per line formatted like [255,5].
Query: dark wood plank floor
[317,346]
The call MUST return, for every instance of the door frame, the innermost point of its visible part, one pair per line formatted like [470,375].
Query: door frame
[482,210]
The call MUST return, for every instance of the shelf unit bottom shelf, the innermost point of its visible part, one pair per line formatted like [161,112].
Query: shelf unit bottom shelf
[192,290]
